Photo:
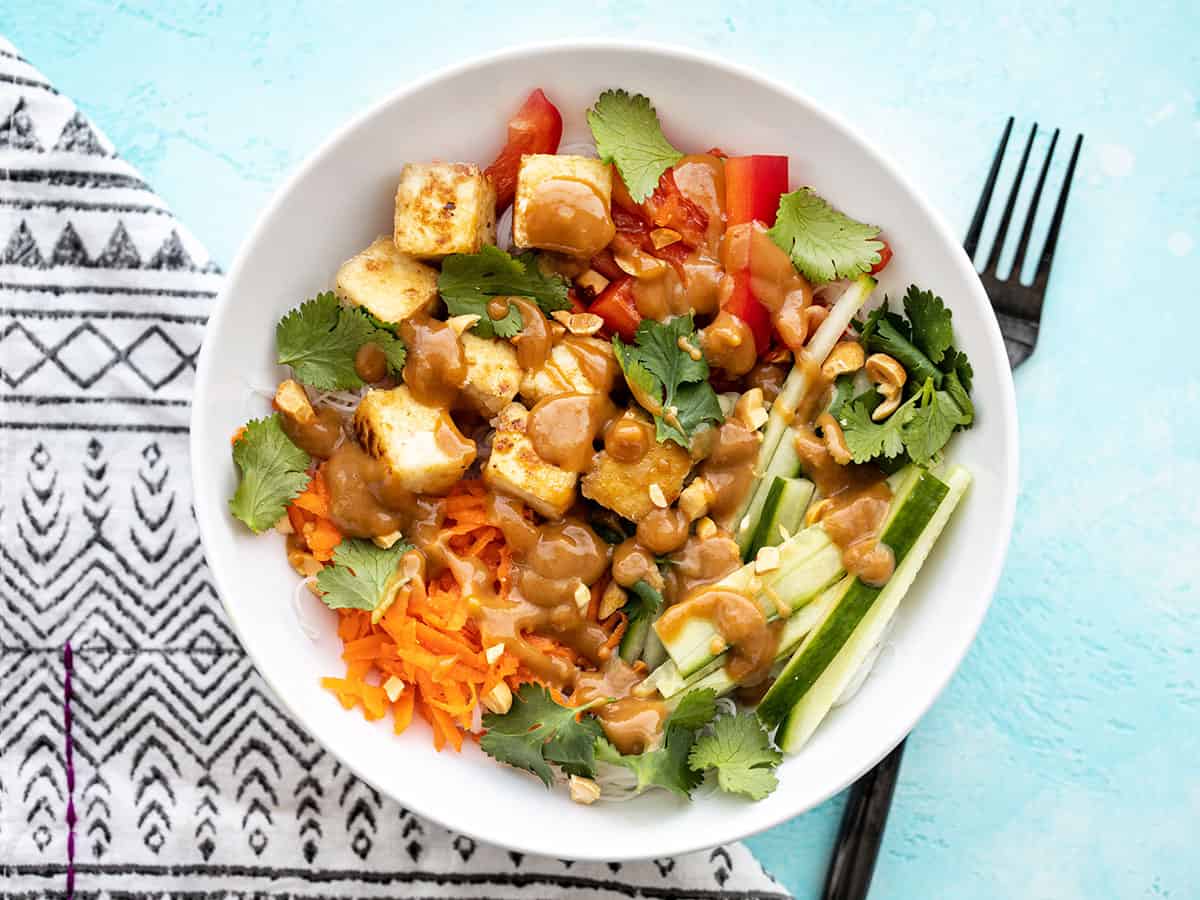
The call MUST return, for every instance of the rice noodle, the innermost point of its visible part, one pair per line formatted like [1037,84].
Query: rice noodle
[504,239]
[864,670]
[344,402]
[303,587]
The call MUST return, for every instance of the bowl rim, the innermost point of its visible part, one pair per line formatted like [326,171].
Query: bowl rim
[1001,536]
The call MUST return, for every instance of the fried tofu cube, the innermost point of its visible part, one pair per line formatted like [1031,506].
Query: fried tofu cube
[493,374]
[568,371]
[292,402]
[444,208]
[563,203]
[420,444]
[628,488]
[390,285]
[516,469]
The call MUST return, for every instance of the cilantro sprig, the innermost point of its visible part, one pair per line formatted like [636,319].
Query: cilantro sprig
[665,379]
[667,766]
[537,732]
[273,472]
[362,574]
[320,338]
[469,280]
[824,244]
[628,134]
[938,386]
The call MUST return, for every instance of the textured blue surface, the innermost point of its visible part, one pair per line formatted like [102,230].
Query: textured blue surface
[1062,762]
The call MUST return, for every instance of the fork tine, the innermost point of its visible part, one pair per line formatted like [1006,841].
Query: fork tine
[1002,231]
[1027,229]
[1043,270]
[971,244]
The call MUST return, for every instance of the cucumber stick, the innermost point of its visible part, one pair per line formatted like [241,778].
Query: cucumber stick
[674,686]
[782,512]
[808,562]
[790,395]
[831,654]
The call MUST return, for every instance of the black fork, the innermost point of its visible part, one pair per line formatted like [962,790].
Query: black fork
[1018,309]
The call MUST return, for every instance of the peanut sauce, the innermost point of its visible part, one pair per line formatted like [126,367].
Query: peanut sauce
[596,360]
[729,344]
[663,530]
[699,562]
[569,216]
[729,469]
[365,499]
[628,439]
[632,724]
[563,428]
[370,363]
[436,366]
[318,438]
[534,341]
[741,623]
[858,502]
[769,378]
[696,285]
[774,281]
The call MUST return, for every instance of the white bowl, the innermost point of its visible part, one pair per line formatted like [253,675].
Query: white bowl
[341,198]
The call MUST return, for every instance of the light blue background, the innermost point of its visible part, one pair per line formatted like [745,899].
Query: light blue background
[1064,759]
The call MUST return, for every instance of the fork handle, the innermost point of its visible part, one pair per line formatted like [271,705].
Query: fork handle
[861,832]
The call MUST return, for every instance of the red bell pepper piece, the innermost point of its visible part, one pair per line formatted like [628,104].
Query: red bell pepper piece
[617,307]
[753,186]
[743,304]
[536,128]
[885,257]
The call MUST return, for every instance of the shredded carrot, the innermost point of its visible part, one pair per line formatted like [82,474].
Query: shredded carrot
[427,638]
[309,515]
[237,435]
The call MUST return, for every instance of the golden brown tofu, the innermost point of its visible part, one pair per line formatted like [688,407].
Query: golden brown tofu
[516,469]
[444,208]
[563,203]
[625,487]
[564,372]
[493,374]
[390,285]
[421,444]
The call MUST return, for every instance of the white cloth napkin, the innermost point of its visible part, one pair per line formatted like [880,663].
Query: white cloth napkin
[140,753]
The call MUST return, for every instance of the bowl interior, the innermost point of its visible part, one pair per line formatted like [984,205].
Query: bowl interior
[342,198]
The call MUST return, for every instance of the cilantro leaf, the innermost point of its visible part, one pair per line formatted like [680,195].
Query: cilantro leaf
[273,473]
[933,420]
[628,133]
[931,327]
[866,439]
[956,362]
[361,574]
[536,731]
[665,379]
[740,751]
[469,280]
[882,334]
[667,766]
[644,604]
[320,338]
[824,244]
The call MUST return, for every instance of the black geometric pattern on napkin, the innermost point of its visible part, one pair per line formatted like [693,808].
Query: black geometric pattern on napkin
[156,763]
